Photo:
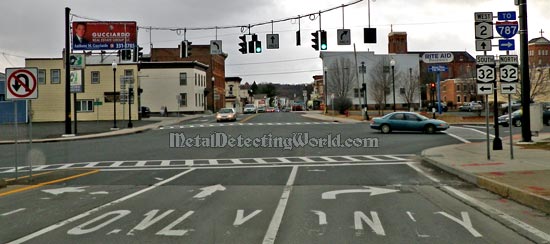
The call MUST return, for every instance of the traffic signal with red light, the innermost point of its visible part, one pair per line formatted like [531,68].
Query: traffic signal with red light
[432,86]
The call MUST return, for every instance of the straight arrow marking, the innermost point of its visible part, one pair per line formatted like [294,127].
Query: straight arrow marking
[209,190]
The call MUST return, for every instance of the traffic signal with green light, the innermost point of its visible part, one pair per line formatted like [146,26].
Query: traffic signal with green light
[324,40]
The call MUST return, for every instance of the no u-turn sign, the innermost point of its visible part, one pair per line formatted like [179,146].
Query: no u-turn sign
[21,83]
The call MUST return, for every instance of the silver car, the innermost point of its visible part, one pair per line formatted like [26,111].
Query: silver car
[226,114]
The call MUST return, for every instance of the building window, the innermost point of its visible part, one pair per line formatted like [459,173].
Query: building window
[85,106]
[129,72]
[95,77]
[457,88]
[183,79]
[183,101]
[230,90]
[108,97]
[41,76]
[458,99]
[2,97]
[355,92]
[196,99]
[196,78]
[402,90]
[55,75]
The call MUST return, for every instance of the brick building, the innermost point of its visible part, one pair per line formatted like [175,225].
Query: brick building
[455,92]
[539,52]
[216,70]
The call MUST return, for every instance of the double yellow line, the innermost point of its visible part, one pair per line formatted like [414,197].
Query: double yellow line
[47,183]
[249,118]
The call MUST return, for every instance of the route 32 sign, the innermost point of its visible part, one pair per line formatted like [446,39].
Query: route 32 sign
[21,83]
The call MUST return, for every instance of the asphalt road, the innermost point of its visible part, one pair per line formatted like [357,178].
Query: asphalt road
[147,192]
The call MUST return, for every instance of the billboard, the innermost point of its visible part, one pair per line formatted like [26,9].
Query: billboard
[104,35]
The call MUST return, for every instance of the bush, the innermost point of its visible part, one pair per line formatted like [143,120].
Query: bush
[342,104]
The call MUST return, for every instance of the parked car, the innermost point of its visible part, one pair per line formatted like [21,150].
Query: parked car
[444,107]
[516,118]
[144,112]
[475,106]
[464,108]
[407,121]
[286,109]
[249,109]
[298,107]
[270,109]
[261,109]
[226,114]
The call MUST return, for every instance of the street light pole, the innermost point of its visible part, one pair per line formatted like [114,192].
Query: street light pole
[392,63]
[325,89]
[363,71]
[114,65]
[130,91]
[213,92]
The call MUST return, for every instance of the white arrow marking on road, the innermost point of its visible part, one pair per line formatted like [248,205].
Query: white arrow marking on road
[241,219]
[65,189]
[372,190]
[322,217]
[209,190]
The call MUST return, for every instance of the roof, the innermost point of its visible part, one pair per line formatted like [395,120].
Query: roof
[234,79]
[539,41]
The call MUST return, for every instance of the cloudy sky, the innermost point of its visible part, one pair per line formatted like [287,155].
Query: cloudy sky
[35,28]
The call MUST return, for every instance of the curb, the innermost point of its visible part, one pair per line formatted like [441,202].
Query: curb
[3,183]
[333,119]
[527,198]
[105,134]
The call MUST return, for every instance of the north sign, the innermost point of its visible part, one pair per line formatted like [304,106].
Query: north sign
[507,29]
[434,58]
[21,83]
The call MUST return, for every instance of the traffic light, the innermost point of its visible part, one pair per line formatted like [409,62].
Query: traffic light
[243,44]
[254,46]
[298,39]
[138,54]
[432,86]
[315,40]
[363,87]
[189,47]
[126,54]
[183,49]
[323,40]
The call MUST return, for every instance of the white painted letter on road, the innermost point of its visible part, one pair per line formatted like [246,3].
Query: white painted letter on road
[168,231]
[149,220]
[241,219]
[322,217]
[465,222]
[81,229]
[374,224]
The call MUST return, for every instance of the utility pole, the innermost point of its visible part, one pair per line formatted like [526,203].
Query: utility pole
[525,81]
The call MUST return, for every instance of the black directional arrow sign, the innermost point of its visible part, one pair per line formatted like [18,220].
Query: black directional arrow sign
[272,41]
[216,47]
[484,88]
[508,88]
[344,36]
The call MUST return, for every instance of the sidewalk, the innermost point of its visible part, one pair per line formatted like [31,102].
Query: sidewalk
[51,132]
[318,115]
[525,179]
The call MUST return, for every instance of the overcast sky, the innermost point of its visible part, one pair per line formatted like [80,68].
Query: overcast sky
[35,28]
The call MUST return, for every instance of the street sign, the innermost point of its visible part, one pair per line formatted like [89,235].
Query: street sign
[506,45]
[485,73]
[344,36]
[272,41]
[21,83]
[433,58]
[96,103]
[506,88]
[485,89]
[484,30]
[508,15]
[483,16]
[507,29]
[77,60]
[332,96]
[438,68]
[509,71]
[216,47]
[484,45]
[76,81]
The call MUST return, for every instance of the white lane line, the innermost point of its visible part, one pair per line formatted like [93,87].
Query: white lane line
[91,165]
[351,159]
[307,160]
[246,166]
[140,163]
[117,164]
[165,163]
[13,169]
[504,216]
[261,161]
[284,160]
[41,167]
[478,131]
[94,210]
[275,223]
[201,125]
[457,137]
[373,158]
[181,127]
[188,162]
[65,166]
[12,212]
[328,159]
[259,123]
[236,161]
[213,162]
[394,157]
[475,126]
[211,125]
[423,173]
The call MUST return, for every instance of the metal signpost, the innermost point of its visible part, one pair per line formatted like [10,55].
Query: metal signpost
[437,58]
[485,78]
[21,84]
[508,81]
[76,86]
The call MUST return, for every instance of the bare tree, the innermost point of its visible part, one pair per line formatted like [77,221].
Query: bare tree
[381,81]
[411,86]
[342,77]
[540,83]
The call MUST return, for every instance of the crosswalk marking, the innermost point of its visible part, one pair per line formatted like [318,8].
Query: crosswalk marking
[245,124]
[227,162]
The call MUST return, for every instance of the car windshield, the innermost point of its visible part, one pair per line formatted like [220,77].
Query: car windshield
[226,110]
[249,106]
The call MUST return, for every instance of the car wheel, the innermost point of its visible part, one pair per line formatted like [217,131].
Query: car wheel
[430,129]
[547,122]
[505,124]
[517,123]
[469,110]
[385,128]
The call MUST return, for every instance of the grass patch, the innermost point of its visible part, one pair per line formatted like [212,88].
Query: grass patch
[544,145]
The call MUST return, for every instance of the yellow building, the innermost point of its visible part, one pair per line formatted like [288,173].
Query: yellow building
[98,78]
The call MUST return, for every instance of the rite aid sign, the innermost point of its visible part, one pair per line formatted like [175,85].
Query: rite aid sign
[434,58]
